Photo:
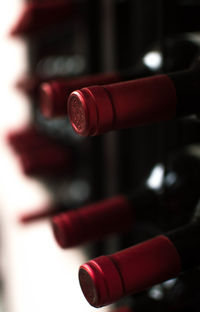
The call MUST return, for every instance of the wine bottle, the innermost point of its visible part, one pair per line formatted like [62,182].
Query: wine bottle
[54,94]
[55,89]
[29,84]
[38,16]
[49,160]
[29,139]
[39,154]
[99,109]
[164,199]
[106,279]
[15,136]
[186,13]
[92,222]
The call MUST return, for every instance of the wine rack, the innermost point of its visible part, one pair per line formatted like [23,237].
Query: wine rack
[152,165]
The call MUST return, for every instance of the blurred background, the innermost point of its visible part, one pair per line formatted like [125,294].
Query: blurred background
[46,168]
[35,273]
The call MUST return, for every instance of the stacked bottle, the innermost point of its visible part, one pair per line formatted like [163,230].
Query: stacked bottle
[167,203]
[99,109]
[39,155]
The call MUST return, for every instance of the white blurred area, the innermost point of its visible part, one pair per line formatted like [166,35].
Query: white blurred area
[37,275]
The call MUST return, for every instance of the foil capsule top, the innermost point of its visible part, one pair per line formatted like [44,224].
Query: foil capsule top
[107,279]
[38,16]
[93,221]
[90,111]
[54,94]
[51,100]
[99,109]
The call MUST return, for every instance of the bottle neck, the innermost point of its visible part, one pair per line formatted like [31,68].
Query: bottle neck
[168,202]
[187,90]
[187,241]
[145,202]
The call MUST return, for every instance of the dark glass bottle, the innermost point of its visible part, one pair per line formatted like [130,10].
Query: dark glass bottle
[54,95]
[106,279]
[99,109]
[39,15]
[164,199]
[39,154]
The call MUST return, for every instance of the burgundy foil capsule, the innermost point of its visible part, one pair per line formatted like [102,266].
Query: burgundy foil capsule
[17,135]
[53,99]
[27,140]
[54,95]
[107,279]
[29,84]
[92,221]
[37,16]
[46,161]
[30,144]
[99,109]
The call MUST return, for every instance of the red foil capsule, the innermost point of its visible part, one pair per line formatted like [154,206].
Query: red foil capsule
[107,279]
[29,84]
[92,222]
[49,160]
[54,95]
[16,136]
[28,140]
[30,144]
[100,109]
[37,16]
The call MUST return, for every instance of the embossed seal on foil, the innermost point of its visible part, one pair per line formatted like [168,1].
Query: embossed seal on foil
[77,114]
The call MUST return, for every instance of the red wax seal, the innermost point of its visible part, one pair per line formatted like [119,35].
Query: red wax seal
[107,279]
